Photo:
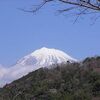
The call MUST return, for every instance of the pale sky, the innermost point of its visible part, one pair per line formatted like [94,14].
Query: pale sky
[21,32]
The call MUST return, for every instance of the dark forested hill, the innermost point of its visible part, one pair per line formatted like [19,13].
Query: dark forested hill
[76,81]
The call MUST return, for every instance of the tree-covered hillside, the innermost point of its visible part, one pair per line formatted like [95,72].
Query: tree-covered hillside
[76,81]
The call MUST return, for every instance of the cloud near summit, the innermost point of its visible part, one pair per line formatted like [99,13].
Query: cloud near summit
[8,75]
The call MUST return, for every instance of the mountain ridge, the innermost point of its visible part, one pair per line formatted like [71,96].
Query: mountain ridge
[73,81]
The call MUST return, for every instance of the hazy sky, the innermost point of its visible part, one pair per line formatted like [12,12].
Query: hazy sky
[21,33]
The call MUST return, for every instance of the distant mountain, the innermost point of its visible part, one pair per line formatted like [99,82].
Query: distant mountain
[43,57]
[73,81]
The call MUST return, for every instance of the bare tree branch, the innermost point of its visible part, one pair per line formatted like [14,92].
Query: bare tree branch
[82,3]
[79,7]
[93,5]
[37,7]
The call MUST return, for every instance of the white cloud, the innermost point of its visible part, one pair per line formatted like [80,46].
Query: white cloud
[2,71]
[7,75]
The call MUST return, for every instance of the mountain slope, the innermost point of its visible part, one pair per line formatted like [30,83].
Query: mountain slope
[74,81]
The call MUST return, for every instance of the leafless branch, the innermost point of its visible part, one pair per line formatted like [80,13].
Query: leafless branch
[82,3]
[37,7]
[86,6]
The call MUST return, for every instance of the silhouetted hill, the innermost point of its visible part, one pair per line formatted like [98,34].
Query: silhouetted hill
[73,81]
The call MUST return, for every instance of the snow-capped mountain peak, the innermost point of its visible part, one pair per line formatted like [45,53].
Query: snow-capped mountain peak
[45,57]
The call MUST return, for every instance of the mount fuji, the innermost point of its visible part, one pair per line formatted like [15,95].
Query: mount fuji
[43,57]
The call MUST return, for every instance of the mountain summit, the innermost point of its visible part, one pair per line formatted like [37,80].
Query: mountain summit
[45,57]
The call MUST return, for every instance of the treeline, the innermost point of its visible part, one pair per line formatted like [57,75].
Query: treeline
[72,81]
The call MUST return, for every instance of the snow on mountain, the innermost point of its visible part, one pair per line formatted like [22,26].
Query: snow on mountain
[43,57]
